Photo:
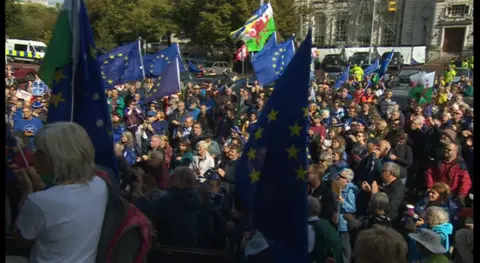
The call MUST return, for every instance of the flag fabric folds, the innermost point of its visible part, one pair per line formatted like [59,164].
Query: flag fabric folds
[422,90]
[371,69]
[271,43]
[156,63]
[343,78]
[384,65]
[241,53]
[77,91]
[270,175]
[121,65]
[271,64]
[193,68]
[167,83]
[257,29]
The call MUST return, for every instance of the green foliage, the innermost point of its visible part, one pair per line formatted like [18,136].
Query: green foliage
[29,21]
[119,21]
[284,14]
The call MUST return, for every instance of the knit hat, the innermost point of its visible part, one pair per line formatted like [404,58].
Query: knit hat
[237,130]
[451,134]
[464,244]
[429,239]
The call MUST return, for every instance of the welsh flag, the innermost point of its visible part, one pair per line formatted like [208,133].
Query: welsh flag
[241,53]
[422,84]
[257,29]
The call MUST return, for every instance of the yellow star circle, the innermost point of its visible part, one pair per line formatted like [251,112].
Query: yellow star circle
[301,173]
[292,152]
[295,130]
[258,133]
[254,175]
[251,154]
[272,116]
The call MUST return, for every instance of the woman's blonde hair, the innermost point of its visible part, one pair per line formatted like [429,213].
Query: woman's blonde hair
[129,137]
[165,139]
[69,151]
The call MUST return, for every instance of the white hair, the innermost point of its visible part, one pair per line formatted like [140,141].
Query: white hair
[202,144]
[314,205]
[69,150]
[393,168]
[347,173]
[436,216]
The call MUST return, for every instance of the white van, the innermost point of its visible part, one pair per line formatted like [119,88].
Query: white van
[25,50]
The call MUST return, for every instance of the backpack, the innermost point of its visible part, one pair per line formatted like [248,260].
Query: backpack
[127,234]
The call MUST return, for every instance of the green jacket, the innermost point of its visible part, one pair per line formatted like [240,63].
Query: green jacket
[328,243]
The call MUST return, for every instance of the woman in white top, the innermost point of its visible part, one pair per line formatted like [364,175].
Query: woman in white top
[202,161]
[63,221]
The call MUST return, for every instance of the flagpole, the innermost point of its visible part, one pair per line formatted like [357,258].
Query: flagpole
[141,57]
[371,32]
[243,67]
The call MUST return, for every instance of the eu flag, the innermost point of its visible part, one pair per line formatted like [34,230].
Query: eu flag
[121,65]
[384,66]
[270,175]
[167,83]
[271,43]
[193,68]
[271,64]
[156,63]
[371,69]
[77,94]
[343,78]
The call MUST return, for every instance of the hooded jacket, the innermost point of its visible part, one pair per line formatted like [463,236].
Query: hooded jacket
[348,207]
[443,230]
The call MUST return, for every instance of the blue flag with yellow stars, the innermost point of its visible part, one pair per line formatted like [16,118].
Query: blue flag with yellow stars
[122,65]
[343,78]
[156,63]
[271,43]
[270,64]
[77,92]
[270,175]
[385,63]
[167,83]
[371,69]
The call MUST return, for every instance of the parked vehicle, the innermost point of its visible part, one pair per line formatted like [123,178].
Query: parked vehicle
[334,72]
[333,60]
[25,50]
[216,68]
[403,77]
[24,74]
[397,60]
[361,59]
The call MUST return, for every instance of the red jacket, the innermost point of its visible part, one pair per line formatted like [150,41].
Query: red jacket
[454,174]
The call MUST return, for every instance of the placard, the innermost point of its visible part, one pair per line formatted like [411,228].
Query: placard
[336,188]
[26,96]
[38,88]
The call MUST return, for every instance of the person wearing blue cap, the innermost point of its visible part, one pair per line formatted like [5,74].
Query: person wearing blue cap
[39,111]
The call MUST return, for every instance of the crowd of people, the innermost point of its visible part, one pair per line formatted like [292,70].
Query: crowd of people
[385,183]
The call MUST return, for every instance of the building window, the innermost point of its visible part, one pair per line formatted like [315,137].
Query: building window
[363,40]
[388,37]
[457,10]
[319,40]
[341,26]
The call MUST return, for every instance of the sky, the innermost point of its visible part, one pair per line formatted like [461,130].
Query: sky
[55,1]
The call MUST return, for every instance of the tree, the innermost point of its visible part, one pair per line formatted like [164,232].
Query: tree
[285,16]
[116,22]
[30,21]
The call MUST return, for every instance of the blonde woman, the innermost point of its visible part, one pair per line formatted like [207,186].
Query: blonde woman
[129,151]
[160,143]
[68,215]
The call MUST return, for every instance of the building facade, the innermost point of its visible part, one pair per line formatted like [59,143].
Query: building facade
[351,23]
[444,26]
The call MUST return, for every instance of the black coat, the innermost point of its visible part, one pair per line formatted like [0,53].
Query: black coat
[404,158]
[175,217]
[396,194]
[325,195]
